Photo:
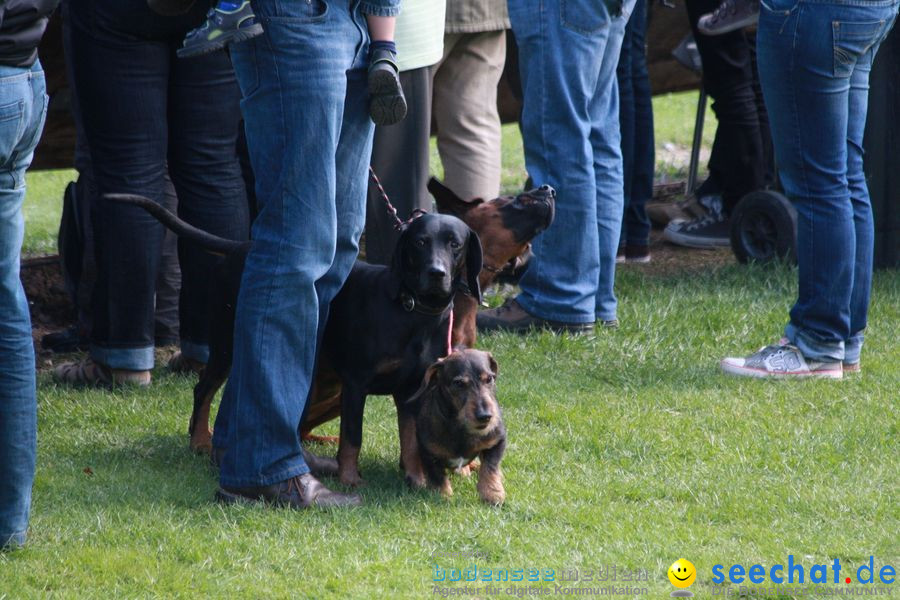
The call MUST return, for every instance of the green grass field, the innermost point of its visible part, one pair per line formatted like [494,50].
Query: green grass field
[627,449]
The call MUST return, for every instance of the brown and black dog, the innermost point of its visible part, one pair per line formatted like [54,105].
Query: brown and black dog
[385,327]
[506,226]
[459,419]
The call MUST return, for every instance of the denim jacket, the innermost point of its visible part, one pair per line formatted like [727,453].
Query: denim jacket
[380,8]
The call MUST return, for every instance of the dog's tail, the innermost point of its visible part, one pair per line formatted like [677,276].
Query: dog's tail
[182,229]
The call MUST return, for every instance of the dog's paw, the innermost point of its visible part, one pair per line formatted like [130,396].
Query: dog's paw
[446,489]
[490,487]
[351,478]
[415,481]
[201,443]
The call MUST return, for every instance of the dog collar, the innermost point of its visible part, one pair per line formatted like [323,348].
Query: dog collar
[409,303]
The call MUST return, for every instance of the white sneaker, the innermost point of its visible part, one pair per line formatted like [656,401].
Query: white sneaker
[781,361]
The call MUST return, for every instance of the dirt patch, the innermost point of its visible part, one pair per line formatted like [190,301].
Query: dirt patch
[667,259]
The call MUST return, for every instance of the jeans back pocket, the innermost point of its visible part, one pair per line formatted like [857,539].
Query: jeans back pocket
[852,42]
[12,120]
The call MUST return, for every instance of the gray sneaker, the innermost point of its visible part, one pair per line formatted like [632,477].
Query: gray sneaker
[729,16]
[781,361]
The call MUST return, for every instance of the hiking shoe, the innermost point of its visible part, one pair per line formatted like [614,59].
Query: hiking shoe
[610,324]
[851,367]
[662,213]
[730,15]
[387,105]
[709,231]
[513,318]
[87,373]
[780,361]
[222,27]
[302,491]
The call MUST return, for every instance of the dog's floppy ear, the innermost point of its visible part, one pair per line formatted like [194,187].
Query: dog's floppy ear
[448,202]
[428,381]
[494,367]
[473,265]
[396,279]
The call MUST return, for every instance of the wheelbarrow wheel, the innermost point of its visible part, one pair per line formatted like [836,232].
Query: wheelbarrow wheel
[764,228]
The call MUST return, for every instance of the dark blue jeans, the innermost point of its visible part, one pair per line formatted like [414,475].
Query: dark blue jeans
[144,112]
[636,123]
[814,62]
[23,107]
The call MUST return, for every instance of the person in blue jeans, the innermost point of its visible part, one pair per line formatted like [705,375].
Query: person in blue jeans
[309,133]
[568,53]
[23,108]
[636,123]
[815,57]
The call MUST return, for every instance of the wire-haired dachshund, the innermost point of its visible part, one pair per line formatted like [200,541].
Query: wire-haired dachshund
[385,327]
[505,226]
[459,419]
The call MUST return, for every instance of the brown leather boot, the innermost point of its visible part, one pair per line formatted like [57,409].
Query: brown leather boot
[297,492]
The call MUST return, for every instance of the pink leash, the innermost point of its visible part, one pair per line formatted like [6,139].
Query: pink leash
[450,334]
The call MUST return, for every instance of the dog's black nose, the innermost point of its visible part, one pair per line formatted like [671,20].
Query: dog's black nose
[483,416]
[545,188]
[437,272]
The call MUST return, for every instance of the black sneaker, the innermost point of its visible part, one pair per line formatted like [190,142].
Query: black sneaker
[710,231]
[729,16]
[387,105]
[222,27]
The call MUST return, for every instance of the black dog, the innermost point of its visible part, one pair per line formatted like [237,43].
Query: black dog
[459,419]
[385,327]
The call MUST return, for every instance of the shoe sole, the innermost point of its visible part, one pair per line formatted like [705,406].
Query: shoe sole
[763,374]
[387,105]
[642,260]
[748,20]
[251,31]
[692,241]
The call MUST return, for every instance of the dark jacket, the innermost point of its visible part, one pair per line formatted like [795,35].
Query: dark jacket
[22,23]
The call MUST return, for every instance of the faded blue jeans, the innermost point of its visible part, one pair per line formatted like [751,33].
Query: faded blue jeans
[23,107]
[310,139]
[814,62]
[568,52]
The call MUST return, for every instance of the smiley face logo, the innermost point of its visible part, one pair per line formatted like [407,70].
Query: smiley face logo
[682,573]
